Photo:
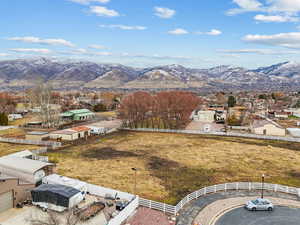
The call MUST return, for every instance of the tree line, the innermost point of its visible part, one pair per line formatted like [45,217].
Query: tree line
[163,110]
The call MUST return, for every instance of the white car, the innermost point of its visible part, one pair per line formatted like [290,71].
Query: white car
[261,204]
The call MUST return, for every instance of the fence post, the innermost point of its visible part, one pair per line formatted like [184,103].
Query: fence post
[150,204]
[249,186]
[205,191]
[215,188]
[225,187]
[164,207]
[237,186]
[275,187]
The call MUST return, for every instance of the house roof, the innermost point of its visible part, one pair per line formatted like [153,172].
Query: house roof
[22,164]
[80,129]
[66,132]
[37,133]
[77,111]
[263,122]
[22,154]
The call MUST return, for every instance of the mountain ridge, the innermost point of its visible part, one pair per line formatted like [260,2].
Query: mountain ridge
[21,73]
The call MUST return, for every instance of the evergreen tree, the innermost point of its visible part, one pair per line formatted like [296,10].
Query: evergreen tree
[231,101]
[3,119]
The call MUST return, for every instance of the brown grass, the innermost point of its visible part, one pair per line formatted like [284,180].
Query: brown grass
[173,165]
[6,148]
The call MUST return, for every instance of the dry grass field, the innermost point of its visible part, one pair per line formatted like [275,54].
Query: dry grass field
[7,148]
[173,165]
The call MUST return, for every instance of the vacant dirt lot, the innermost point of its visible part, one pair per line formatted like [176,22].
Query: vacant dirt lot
[173,165]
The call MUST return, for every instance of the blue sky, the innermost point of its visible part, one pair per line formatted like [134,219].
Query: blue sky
[140,33]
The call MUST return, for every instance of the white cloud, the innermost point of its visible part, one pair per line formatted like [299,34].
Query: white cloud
[97,46]
[287,6]
[212,32]
[37,40]
[288,40]
[164,13]
[123,27]
[276,18]
[103,11]
[3,54]
[103,53]
[278,10]
[245,6]
[86,2]
[178,31]
[31,50]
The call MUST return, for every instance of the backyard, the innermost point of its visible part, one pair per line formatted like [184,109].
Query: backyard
[173,165]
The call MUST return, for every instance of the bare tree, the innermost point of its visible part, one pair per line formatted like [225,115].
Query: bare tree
[41,96]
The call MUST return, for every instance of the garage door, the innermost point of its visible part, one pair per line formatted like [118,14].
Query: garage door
[6,201]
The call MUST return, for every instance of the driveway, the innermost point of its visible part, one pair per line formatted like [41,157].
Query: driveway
[280,216]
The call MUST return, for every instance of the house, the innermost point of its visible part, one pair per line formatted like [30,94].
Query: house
[267,127]
[37,136]
[13,191]
[82,131]
[204,116]
[78,115]
[12,117]
[66,135]
[71,134]
[31,171]
[282,115]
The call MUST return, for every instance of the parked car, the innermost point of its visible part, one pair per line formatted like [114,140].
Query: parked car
[261,204]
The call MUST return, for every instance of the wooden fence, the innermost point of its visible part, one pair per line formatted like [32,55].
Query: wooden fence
[214,189]
[228,134]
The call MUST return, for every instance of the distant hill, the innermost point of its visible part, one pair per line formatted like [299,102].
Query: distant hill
[21,73]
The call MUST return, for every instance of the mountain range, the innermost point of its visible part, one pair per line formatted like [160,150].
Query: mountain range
[67,75]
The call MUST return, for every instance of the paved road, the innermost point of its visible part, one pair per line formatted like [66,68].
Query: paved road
[280,216]
[191,210]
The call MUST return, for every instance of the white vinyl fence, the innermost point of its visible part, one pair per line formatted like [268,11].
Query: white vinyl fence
[125,213]
[102,191]
[229,134]
[52,144]
[216,188]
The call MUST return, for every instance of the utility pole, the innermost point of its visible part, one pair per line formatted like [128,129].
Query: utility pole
[135,173]
[262,185]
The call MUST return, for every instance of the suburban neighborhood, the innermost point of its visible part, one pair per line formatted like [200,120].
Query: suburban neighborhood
[130,112]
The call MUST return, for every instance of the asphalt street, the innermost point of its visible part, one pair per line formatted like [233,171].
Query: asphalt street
[280,216]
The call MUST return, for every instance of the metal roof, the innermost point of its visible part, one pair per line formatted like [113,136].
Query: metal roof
[37,133]
[22,164]
[77,111]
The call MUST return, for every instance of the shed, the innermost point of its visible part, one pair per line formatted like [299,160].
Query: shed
[82,131]
[56,197]
[37,136]
[57,179]
[68,135]
[267,127]
[29,170]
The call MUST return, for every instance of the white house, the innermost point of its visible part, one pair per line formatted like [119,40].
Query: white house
[203,116]
[267,127]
